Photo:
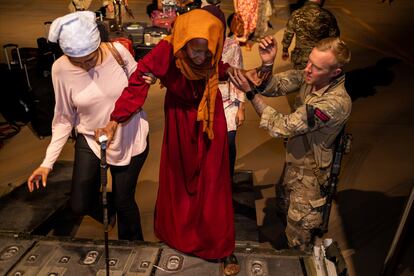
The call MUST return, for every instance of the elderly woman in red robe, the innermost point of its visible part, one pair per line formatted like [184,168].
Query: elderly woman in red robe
[193,212]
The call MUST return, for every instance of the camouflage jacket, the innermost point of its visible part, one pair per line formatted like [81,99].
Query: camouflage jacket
[310,24]
[317,119]
[79,5]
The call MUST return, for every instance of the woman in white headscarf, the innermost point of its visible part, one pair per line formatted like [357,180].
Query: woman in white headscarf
[87,80]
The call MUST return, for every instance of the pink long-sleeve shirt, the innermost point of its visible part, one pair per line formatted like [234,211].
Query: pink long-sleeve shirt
[85,100]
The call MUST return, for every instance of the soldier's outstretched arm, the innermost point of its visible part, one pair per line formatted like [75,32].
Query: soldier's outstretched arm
[268,50]
[243,84]
[258,104]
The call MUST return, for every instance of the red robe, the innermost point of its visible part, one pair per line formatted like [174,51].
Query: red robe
[193,212]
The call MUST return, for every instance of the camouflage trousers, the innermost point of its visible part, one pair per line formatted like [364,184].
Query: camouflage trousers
[298,197]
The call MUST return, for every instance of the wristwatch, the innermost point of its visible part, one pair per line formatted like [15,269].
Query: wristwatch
[250,94]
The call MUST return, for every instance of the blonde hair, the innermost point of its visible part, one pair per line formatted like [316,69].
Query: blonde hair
[338,48]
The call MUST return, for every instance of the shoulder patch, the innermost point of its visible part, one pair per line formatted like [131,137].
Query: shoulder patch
[310,116]
[321,115]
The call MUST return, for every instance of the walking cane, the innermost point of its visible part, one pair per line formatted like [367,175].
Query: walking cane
[104,166]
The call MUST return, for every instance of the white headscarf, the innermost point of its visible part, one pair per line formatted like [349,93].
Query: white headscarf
[77,33]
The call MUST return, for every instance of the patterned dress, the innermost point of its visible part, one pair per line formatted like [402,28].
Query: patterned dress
[248,11]
[231,95]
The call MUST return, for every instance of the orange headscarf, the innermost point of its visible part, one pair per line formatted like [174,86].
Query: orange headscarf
[199,23]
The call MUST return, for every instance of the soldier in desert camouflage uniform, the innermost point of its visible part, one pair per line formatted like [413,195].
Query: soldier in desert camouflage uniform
[79,5]
[310,24]
[321,110]
[108,5]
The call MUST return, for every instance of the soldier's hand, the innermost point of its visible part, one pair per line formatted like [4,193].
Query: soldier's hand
[253,76]
[285,55]
[267,49]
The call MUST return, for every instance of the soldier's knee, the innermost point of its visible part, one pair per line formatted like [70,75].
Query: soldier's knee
[312,220]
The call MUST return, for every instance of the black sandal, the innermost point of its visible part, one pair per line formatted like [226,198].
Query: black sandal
[230,265]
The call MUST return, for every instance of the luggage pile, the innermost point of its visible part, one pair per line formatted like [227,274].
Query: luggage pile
[142,37]
[26,76]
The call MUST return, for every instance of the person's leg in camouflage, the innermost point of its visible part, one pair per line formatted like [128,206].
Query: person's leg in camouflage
[304,213]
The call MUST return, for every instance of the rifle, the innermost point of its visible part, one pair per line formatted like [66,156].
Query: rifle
[341,146]
[129,12]
[117,4]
